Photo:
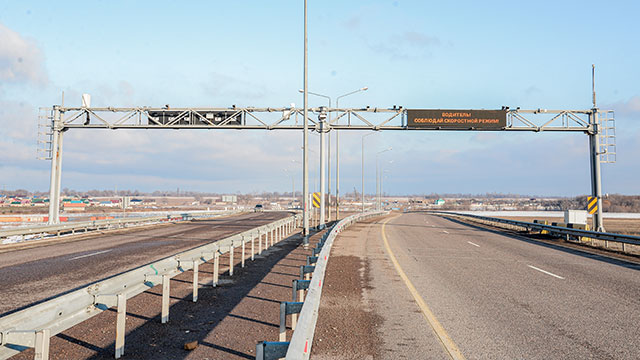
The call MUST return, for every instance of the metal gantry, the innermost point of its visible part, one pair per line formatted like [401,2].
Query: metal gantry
[597,124]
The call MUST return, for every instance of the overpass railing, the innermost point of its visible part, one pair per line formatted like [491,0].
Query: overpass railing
[304,328]
[32,327]
[555,230]
[41,231]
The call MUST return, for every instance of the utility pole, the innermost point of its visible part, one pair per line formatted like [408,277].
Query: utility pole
[322,119]
[594,149]
[56,167]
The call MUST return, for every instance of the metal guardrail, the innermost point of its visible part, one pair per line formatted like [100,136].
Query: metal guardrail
[74,226]
[302,339]
[559,231]
[32,327]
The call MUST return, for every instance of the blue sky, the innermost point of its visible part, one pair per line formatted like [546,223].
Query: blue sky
[418,54]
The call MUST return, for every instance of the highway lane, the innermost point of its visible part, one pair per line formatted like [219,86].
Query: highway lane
[504,298]
[32,275]
[418,286]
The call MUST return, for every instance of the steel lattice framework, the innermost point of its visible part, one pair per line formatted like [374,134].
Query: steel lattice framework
[597,124]
[251,118]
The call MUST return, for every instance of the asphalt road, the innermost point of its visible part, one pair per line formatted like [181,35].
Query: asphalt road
[485,295]
[32,275]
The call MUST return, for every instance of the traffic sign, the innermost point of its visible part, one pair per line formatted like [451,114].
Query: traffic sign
[592,204]
[456,119]
[316,200]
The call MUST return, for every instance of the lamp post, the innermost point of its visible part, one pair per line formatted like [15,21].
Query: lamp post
[378,176]
[293,187]
[362,195]
[324,129]
[382,177]
[338,153]
[305,141]
[364,88]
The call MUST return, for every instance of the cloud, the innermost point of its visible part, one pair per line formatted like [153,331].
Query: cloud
[21,61]
[353,23]
[418,39]
[629,108]
[406,45]
[229,88]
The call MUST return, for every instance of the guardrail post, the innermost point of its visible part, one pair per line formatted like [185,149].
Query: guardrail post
[216,267]
[287,308]
[259,242]
[42,344]
[283,322]
[271,350]
[271,234]
[195,280]
[243,239]
[231,258]
[120,324]
[165,298]
[253,251]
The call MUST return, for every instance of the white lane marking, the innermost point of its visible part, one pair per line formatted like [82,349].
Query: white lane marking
[84,256]
[473,244]
[445,231]
[546,272]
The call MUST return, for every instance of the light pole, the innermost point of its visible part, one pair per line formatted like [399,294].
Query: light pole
[324,129]
[362,195]
[338,153]
[382,172]
[305,141]
[378,176]
[293,187]
[364,88]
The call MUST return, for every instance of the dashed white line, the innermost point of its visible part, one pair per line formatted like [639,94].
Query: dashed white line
[546,272]
[445,231]
[87,255]
[473,244]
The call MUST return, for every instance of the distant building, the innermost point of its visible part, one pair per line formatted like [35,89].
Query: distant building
[73,206]
[229,199]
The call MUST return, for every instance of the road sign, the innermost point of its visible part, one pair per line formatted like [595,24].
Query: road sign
[592,204]
[457,119]
[316,200]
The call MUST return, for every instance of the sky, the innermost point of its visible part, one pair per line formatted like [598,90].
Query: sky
[418,54]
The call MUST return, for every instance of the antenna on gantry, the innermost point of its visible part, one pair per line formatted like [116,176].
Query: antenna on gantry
[593,83]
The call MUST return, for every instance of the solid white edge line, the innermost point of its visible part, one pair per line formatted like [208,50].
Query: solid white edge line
[95,253]
[473,244]
[546,272]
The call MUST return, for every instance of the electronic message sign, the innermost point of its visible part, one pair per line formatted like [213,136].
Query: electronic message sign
[457,119]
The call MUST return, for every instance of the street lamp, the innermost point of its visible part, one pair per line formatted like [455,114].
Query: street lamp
[378,176]
[362,195]
[323,119]
[305,139]
[364,88]
[293,186]
[382,177]
[338,153]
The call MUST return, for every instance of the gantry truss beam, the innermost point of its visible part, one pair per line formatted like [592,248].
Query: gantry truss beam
[291,119]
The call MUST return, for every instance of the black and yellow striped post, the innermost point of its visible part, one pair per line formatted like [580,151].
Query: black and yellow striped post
[592,204]
[316,200]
